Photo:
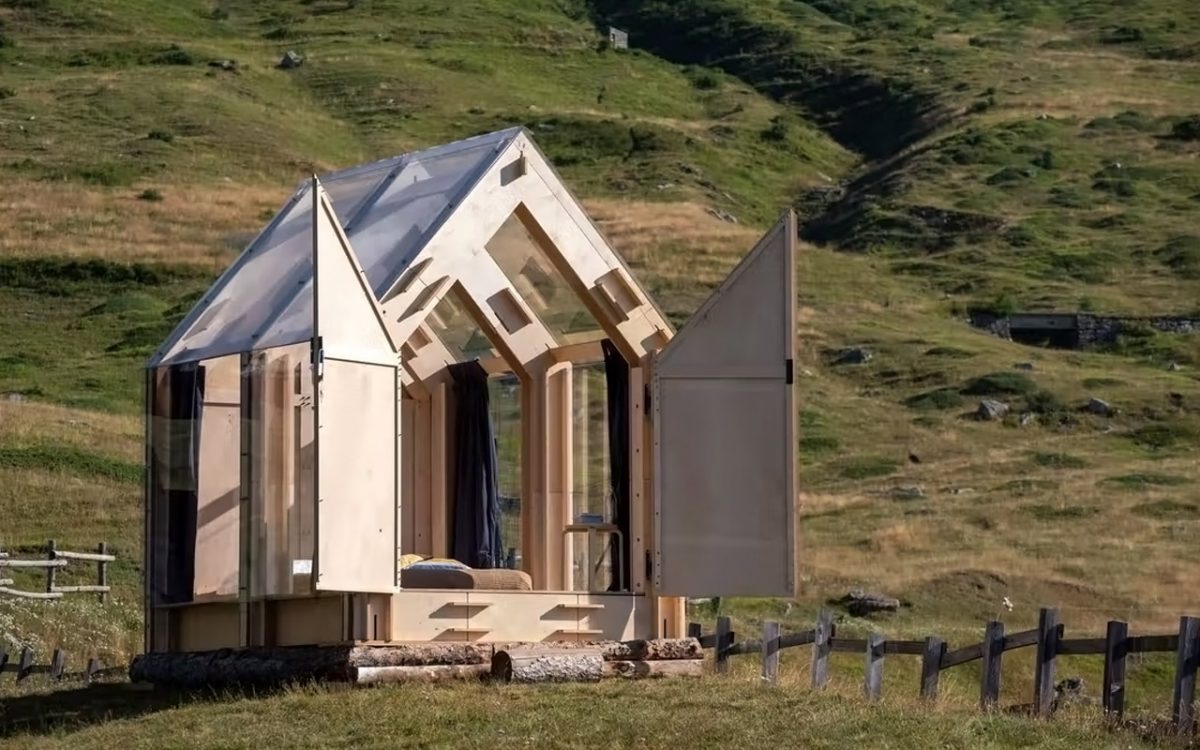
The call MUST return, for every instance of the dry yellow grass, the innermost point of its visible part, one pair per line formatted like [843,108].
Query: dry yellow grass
[203,225]
[111,434]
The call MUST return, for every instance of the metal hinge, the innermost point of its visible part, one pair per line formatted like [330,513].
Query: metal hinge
[789,370]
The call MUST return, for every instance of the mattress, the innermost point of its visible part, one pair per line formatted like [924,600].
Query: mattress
[497,579]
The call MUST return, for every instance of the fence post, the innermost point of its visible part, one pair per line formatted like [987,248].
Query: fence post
[25,665]
[873,683]
[770,651]
[1116,647]
[51,572]
[3,659]
[694,630]
[821,649]
[724,641]
[58,664]
[102,571]
[993,652]
[1183,710]
[1043,669]
[93,667]
[931,666]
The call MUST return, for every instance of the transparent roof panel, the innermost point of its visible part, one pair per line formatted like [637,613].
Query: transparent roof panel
[456,328]
[388,208]
[540,284]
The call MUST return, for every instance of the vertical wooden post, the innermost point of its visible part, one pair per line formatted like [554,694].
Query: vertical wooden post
[25,665]
[51,553]
[694,630]
[102,571]
[1044,667]
[770,651]
[1116,647]
[93,667]
[58,664]
[873,683]
[993,651]
[931,666]
[724,641]
[821,649]
[1183,709]
[3,659]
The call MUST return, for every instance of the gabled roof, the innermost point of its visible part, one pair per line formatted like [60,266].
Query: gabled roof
[389,209]
[487,216]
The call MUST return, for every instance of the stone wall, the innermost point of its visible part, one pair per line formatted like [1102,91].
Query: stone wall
[1094,330]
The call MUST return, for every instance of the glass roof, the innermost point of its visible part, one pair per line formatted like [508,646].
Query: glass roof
[540,284]
[456,328]
[388,210]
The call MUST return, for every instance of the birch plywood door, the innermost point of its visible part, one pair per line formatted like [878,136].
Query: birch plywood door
[724,447]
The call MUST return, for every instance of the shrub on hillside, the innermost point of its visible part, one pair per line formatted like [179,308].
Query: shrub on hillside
[999,384]
[1187,129]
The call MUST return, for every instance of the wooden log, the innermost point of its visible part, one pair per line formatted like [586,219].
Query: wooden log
[88,589]
[822,635]
[6,581]
[906,648]
[102,571]
[787,640]
[1149,644]
[33,563]
[50,572]
[423,674]
[86,556]
[266,667]
[1048,637]
[993,652]
[30,594]
[847,645]
[419,655]
[962,655]
[658,649]
[931,666]
[770,652]
[724,641]
[1187,659]
[1077,646]
[642,670]
[1115,650]
[873,682]
[58,664]
[577,665]
[1023,639]
[25,665]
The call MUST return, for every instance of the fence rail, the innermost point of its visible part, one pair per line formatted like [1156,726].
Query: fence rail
[24,667]
[55,561]
[1047,640]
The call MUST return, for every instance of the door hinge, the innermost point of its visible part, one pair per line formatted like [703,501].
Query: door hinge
[789,370]
[649,566]
[646,399]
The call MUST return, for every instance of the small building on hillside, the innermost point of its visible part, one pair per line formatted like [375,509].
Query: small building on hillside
[430,402]
[618,39]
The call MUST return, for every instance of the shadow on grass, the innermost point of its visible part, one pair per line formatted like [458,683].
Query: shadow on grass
[81,707]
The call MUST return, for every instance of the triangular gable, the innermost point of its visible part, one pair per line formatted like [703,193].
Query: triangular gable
[346,318]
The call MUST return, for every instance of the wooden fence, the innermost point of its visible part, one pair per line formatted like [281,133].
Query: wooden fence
[23,667]
[1047,639]
[56,560]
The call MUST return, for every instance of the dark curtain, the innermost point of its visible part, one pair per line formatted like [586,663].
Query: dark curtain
[186,383]
[616,374]
[476,490]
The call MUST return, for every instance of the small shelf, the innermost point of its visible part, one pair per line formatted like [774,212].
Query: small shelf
[469,631]
[579,606]
[580,631]
[470,605]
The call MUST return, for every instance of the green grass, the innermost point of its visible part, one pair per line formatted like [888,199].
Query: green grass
[709,714]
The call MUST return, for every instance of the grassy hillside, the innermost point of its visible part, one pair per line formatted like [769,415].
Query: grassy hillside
[944,154]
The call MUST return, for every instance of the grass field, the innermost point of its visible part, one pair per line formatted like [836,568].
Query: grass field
[944,154]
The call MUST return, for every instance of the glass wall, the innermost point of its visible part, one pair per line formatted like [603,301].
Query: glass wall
[504,403]
[202,418]
[591,496]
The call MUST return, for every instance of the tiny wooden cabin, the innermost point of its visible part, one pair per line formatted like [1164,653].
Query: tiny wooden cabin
[430,402]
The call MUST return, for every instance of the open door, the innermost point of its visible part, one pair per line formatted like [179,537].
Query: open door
[724,440]
[356,382]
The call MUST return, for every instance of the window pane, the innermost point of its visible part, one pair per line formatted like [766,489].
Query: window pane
[539,283]
[458,330]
